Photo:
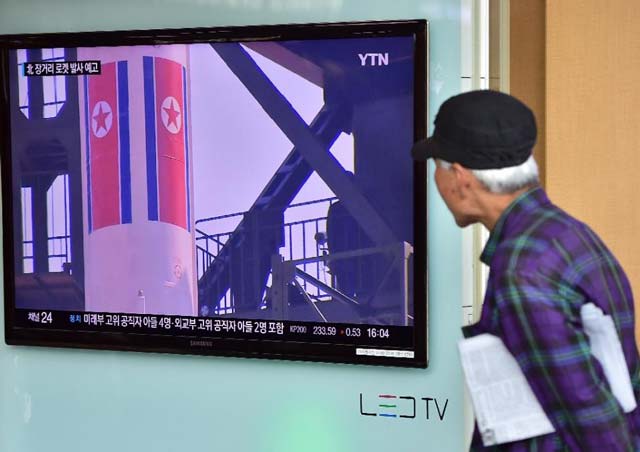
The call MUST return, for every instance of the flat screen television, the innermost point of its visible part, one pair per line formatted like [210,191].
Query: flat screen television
[239,191]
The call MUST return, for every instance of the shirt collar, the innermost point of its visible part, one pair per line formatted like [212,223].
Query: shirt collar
[523,204]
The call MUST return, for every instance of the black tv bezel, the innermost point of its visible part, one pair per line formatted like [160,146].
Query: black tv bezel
[178,344]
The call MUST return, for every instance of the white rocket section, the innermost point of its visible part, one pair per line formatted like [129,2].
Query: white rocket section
[146,266]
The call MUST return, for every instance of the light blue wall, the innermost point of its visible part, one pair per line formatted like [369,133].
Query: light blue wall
[81,401]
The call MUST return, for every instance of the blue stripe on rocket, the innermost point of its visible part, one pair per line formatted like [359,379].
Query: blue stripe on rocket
[186,144]
[125,147]
[150,131]
[87,128]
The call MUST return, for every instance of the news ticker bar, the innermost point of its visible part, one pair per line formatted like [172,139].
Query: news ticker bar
[220,327]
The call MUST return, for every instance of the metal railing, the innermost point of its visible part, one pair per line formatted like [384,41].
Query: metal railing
[395,275]
[304,239]
[59,253]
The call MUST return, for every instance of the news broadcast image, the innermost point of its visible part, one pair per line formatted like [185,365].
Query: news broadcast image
[257,180]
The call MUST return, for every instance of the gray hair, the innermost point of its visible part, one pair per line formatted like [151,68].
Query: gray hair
[505,180]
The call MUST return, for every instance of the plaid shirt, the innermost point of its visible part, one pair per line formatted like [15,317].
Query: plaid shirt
[544,265]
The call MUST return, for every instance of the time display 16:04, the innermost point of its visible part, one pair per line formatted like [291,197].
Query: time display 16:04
[378,332]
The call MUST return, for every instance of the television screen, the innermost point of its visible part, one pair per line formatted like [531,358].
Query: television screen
[242,191]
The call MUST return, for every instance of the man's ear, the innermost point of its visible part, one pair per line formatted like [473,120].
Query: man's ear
[464,179]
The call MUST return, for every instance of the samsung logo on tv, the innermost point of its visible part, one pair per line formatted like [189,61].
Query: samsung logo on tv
[374,59]
[201,343]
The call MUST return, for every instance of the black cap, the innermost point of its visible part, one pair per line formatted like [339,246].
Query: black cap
[480,130]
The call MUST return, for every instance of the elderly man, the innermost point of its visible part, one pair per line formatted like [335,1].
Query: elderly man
[544,265]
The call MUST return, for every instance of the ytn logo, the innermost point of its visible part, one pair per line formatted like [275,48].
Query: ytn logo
[389,405]
[374,59]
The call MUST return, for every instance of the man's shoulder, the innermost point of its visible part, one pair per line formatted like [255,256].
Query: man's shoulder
[550,238]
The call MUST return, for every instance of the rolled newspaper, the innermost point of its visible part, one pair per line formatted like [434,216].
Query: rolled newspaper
[607,349]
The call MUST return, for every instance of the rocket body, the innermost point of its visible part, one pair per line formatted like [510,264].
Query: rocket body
[139,241]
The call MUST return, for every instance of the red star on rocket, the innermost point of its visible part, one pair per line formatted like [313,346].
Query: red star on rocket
[101,119]
[173,114]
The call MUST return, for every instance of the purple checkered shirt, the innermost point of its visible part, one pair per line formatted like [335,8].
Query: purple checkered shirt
[544,265]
